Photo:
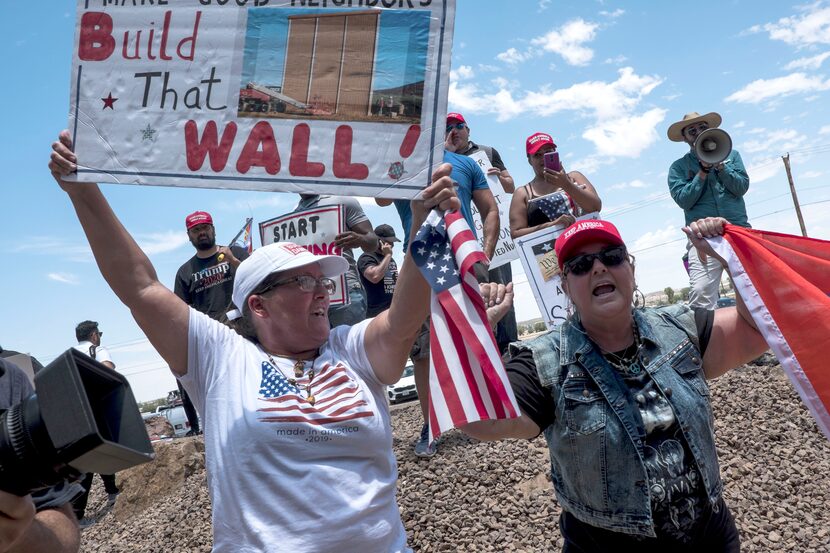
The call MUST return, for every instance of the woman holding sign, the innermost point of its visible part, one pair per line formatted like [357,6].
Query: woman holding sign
[553,197]
[621,396]
[298,442]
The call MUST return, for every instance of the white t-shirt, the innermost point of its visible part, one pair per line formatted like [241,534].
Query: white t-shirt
[285,475]
[101,353]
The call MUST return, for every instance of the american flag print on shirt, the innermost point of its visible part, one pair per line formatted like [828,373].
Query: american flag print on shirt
[553,205]
[467,380]
[338,397]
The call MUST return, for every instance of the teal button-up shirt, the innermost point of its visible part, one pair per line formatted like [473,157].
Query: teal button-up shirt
[720,194]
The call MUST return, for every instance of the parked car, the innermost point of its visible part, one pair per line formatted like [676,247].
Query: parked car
[725,302]
[177,418]
[403,388]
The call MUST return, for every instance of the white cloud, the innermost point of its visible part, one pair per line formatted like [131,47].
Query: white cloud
[811,174]
[813,62]
[513,56]
[462,73]
[824,130]
[773,141]
[614,14]
[739,125]
[636,183]
[161,242]
[544,4]
[617,60]
[64,278]
[568,40]
[763,171]
[765,89]
[617,129]
[810,28]
[656,238]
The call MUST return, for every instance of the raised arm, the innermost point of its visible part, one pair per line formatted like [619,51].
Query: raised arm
[389,336]
[735,339]
[161,314]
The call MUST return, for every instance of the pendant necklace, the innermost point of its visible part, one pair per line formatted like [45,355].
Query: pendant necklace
[630,363]
[299,370]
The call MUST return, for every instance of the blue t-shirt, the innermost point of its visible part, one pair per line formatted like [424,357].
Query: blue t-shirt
[468,176]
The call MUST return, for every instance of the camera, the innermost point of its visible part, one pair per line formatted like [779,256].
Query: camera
[552,161]
[82,418]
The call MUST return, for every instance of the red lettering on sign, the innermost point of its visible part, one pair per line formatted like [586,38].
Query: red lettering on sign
[95,41]
[343,166]
[260,150]
[298,165]
[209,145]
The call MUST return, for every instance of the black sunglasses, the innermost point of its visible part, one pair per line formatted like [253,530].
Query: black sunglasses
[581,264]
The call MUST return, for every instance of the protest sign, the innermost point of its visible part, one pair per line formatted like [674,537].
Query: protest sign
[314,229]
[322,96]
[538,258]
[505,251]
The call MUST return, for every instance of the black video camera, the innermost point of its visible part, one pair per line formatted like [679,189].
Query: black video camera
[82,418]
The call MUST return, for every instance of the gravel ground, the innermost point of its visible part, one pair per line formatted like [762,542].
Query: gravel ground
[476,496]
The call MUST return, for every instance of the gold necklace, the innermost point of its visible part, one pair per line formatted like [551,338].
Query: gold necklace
[299,369]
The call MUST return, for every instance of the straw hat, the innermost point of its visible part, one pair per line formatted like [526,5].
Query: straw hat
[676,130]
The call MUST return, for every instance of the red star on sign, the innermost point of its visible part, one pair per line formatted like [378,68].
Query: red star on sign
[109,101]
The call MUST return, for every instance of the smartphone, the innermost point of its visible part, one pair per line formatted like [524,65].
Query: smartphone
[552,161]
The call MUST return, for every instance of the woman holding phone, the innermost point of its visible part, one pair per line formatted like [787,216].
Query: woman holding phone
[553,197]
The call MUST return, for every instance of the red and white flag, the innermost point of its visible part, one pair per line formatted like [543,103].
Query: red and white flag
[784,281]
[467,380]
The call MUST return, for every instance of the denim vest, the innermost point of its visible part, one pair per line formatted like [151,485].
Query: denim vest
[596,439]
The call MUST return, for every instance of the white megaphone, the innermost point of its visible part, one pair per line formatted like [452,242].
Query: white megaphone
[713,146]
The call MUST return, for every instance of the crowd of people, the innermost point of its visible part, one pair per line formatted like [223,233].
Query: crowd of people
[289,390]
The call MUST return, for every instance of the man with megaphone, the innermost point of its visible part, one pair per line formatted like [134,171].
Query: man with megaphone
[709,181]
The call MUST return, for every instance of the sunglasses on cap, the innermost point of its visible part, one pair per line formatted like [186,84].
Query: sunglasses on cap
[582,264]
[457,126]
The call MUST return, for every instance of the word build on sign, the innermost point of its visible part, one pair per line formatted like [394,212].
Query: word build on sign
[317,96]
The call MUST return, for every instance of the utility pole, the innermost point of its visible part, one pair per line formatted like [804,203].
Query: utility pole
[786,159]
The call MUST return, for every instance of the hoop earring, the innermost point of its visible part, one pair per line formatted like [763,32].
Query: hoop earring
[639,298]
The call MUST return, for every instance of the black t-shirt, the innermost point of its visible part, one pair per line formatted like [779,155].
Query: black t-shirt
[378,295]
[207,284]
[677,498]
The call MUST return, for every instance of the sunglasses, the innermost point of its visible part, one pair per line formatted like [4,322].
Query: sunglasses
[457,126]
[306,283]
[582,264]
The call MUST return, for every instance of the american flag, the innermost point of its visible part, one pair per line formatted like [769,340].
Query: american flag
[337,396]
[467,380]
[553,205]
[243,237]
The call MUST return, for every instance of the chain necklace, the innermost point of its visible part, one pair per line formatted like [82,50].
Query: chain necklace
[629,363]
[299,370]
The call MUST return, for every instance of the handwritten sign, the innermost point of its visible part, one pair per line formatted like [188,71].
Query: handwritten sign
[321,96]
[505,251]
[538,258]
[314,229]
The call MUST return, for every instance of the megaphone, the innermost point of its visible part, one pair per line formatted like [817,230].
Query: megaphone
[713,146]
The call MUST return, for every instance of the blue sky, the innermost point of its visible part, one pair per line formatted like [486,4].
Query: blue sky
[606,79]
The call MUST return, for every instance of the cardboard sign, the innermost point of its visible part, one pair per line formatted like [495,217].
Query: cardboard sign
[505,251]
[314,229]
[536,252]
[318,96]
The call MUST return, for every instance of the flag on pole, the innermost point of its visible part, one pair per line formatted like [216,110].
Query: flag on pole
[467,380]
[243,237]
[784,281]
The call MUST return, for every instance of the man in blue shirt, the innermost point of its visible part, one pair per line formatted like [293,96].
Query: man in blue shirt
[705,190]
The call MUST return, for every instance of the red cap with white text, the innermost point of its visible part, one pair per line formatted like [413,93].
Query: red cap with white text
[456,117]
[536,141]
[198,218]
[582,233]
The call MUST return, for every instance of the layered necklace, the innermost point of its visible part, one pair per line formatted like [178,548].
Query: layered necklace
[299,370]
[628,361]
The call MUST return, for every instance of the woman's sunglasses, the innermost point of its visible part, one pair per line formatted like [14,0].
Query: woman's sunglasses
[581,264]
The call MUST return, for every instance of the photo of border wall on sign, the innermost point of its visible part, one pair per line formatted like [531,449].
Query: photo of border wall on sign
[313,229]
[272,95]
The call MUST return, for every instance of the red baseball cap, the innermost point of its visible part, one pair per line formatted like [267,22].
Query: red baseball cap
[197,218]
[585,232]
[536,141]
[456,117]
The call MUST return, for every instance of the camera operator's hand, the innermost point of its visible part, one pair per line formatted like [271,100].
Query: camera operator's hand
[16,516]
